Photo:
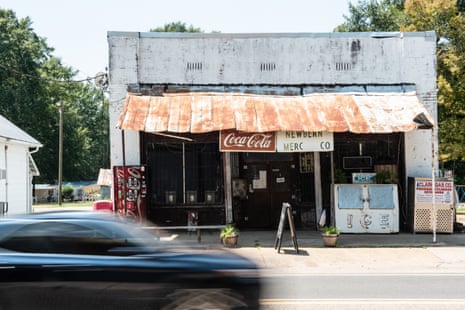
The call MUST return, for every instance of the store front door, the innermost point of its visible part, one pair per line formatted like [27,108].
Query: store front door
[269,185]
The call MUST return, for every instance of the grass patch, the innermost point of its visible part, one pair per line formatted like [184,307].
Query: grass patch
[64,204]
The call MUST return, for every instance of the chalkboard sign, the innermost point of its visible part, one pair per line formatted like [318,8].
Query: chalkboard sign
[286,210]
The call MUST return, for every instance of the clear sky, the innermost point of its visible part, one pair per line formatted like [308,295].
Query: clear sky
[77,30]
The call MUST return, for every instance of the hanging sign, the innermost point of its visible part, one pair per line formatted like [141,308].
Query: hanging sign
[239,141]
[304,141]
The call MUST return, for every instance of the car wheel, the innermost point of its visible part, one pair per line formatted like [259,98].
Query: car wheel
[205,299]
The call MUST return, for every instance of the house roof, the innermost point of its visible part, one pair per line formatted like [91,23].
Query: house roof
[105,177]
[10,131]
[334,112]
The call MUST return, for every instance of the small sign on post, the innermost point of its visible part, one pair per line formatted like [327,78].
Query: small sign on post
[286,210]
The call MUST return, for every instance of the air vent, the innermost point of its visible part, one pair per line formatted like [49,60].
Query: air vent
[194,66]
[267,66]
[343,66]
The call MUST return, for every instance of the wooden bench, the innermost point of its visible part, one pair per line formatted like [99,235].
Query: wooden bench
[197,228]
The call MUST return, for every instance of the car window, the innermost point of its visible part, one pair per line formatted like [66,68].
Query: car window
[63,237]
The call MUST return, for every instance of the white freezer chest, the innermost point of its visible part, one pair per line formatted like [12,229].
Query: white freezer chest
[366,208]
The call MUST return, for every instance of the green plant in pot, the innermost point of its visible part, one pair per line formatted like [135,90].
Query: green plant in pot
[386,177]
[330,235]
[229,235]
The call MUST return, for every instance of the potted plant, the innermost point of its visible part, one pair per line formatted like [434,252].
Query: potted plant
[386,177]
[330,235]
[229,235]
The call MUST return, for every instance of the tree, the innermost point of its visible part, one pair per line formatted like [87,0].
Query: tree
[373,16]
[23,91]
[446,18]
[176,27]
[449,24]
[32,81]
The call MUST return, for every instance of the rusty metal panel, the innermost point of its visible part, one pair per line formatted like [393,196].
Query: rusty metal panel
[391,113]
[221,113]
[207,112]
[330,111]
[160,113]
[285,113]
[311,116]
[355,120]
[150,122]
[242,117]
[200,114]
[179,115]
[267,116]
[134,113]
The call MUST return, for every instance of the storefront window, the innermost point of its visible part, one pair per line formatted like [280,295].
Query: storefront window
[185,173]
[366,153]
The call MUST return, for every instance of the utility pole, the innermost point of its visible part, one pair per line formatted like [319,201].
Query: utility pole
[60,151]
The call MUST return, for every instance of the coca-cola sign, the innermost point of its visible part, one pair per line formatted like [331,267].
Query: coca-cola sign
[239,141]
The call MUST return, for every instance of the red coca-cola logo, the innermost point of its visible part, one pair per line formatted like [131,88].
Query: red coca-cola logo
[246,142]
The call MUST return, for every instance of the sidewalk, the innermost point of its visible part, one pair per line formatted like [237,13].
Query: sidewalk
[355,253]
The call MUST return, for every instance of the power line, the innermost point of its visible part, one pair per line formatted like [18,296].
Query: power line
[99,76]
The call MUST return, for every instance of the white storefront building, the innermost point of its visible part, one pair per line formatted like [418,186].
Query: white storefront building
[172,92]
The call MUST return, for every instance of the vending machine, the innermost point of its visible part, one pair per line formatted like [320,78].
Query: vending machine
[130,191]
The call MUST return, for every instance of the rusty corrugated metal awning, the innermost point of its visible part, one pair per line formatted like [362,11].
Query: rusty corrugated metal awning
[207,112]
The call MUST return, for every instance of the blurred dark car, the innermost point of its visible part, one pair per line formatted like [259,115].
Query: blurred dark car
[97,261]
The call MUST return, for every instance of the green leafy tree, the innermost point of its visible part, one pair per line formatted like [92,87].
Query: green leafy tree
[446,18]
[373,16]
[23,91]
[91,111]
[68,192]
[176,27]
[32,81]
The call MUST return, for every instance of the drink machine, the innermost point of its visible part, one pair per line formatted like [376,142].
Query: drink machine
[130,191]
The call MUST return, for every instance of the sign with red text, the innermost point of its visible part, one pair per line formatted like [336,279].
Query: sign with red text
[239,141]
[443,191]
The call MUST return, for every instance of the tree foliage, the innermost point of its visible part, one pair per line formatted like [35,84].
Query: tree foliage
[32,81]
[447,19]
[176,27]
[373,16]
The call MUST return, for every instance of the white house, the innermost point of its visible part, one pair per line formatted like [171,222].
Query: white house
[17,168]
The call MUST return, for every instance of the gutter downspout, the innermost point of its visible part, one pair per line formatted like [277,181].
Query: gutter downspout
[35,150]
[5,205]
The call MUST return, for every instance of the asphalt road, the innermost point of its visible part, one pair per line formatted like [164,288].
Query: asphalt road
[367,291]
[367,277]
